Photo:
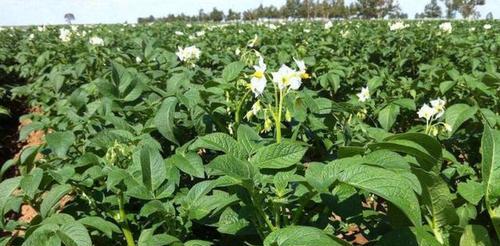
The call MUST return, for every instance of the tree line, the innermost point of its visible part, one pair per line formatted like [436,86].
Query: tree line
[360,9]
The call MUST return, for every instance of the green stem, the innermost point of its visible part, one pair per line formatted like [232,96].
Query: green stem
[237,116]
[494,217]
[277,217]
[297,215]
[260,210]
[124,223]
[278,118]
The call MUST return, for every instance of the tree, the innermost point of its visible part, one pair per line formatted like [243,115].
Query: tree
[489,16]
[233,15]
[339,9]
[216,15]
[69,17]
[202,16]
[369,9]
[432,10]
[467,8]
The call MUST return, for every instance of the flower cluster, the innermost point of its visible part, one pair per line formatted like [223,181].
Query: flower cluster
[432,113]
[328,25]
[64,35]
[446,27]
[398,26]
[189,54]
[364,95]
[97,41]
[284,78]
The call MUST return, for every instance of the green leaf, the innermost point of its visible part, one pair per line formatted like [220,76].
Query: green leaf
[426,149]
[490,169]
[189,163]
[383,183]
[475,235]
[74,234]
[153,168]
[233,167]
[436,197]
[411,236]
[232,70]
[466,213]
[43,236]
[248,138]
[100,224]
[278,155]
[30,182]
[471,191]
[457,114]
[231,223]
[387,116]
[6,188]
[446,86]
[60,142]
[301,236]
[220,142]
[164,119]
[52,198]
[406,103]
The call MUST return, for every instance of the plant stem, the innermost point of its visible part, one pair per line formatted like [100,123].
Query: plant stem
[256,202]
[278,118]
[124,223]
[237,116]
[277,217]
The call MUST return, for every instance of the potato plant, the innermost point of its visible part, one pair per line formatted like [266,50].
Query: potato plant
[365,132]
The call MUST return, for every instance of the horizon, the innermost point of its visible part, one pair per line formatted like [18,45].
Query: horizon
[36,12]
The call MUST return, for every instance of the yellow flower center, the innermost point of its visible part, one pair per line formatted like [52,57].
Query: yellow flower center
[304,75]
[258,74]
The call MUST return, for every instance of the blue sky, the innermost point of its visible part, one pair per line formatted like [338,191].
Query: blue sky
[27,12]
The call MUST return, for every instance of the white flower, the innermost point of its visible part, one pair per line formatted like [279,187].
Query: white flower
[188,54]
[307,30]
[97,41]
[487,27]
[256,107]
[252,42]
[1,28]
[328,25]
[272,26]
[138,60]
[258,80]
[64,35]
[287,77]
[397,26]
[41,28]
[446,27]
[178,33]
[345,33]
[426,112]
[241,31]
[191,37]
[302,69]
[472,29]
[189,25]
[364,94]
[447,127]
[200,33]
[237,51]
[74,28]
[439,106]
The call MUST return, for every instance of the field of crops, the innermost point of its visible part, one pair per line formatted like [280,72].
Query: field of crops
[285,134]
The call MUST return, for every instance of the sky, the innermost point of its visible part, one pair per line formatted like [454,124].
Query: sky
[38,12]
